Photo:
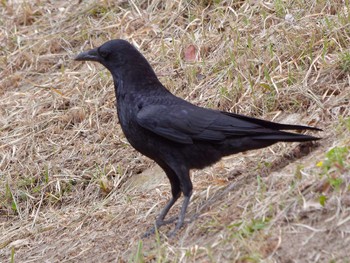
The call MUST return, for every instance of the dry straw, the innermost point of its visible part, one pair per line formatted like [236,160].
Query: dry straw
[73,189]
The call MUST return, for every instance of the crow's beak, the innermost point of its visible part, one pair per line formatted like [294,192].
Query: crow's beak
[90,55]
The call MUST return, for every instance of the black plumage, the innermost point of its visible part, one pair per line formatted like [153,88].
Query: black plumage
[176,134]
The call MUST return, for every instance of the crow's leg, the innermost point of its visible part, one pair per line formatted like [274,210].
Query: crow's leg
[181,219]
[160,219]
[186,188]
[176,193]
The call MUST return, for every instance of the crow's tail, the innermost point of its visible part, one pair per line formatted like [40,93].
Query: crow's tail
[285,137]
[272,125]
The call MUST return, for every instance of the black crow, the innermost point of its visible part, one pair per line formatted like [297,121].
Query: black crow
[176,134]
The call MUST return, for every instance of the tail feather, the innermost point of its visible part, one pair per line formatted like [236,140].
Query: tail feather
[271,125]
[286,137]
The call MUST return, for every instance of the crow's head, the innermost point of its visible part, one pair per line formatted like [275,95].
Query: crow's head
[120,58]
[112,53]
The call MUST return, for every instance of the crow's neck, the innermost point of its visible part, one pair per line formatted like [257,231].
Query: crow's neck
[136,81]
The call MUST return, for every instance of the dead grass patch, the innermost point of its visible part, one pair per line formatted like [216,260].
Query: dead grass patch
[66,192]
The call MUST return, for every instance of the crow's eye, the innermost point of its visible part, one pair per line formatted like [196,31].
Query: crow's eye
[103,53]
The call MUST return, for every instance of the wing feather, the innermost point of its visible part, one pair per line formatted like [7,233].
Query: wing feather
[185,123]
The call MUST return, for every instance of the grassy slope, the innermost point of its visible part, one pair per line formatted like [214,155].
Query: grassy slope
[72,188]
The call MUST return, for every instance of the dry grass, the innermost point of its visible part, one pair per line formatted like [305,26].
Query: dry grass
[72,188]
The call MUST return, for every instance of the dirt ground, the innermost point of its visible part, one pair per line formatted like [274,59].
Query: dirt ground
[72,189]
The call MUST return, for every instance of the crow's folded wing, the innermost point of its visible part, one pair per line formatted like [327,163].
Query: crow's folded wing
[185,123]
